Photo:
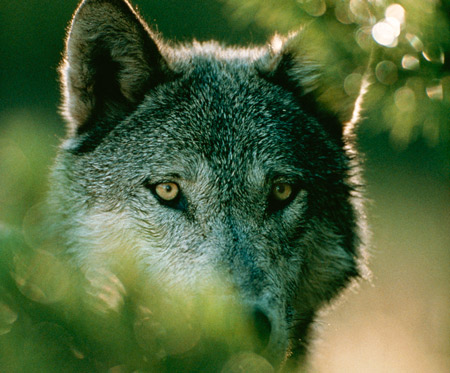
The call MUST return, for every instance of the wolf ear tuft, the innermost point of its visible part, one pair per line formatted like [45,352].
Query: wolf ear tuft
[111,60]
[296,64]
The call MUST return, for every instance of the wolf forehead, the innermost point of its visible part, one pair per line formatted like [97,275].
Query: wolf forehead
[223,109]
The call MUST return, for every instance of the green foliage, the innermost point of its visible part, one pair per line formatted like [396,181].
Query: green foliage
[55,317]
[406,45]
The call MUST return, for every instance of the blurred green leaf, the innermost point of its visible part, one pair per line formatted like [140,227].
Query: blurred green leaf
[411,44]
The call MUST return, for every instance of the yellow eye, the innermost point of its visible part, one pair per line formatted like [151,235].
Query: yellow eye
[167,191]
[281,191]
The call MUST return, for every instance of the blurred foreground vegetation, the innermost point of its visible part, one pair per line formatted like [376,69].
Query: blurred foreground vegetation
[409,44]
[56,318]
[405,139]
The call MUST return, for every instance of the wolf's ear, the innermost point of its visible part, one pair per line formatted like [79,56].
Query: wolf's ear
[294,63]
[111,60]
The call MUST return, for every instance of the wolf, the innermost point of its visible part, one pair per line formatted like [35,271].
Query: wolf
[200,169]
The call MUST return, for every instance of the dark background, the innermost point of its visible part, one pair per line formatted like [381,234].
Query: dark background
[398,322]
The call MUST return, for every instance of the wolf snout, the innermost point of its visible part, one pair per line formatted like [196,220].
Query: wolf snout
[270,341]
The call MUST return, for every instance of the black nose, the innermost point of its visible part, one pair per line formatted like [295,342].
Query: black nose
[262,327]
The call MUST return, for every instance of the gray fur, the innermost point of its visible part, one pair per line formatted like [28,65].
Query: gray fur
[225,124]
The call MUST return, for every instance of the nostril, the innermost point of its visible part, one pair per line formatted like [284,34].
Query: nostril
[262,327]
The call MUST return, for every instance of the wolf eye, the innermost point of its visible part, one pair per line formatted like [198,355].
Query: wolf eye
[281,191]
[168,194]
[281,195]
[167,191]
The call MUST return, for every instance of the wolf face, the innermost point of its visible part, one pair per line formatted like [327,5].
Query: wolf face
[205,166]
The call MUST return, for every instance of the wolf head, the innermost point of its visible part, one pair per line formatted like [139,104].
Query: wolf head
[206,165]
